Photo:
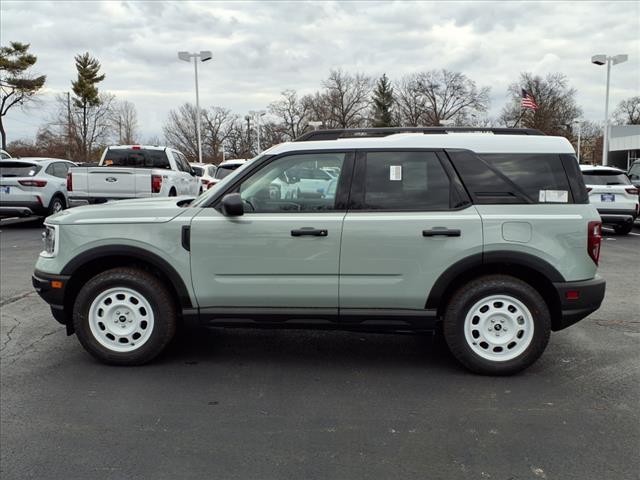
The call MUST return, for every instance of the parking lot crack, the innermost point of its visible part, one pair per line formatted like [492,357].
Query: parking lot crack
[15,298]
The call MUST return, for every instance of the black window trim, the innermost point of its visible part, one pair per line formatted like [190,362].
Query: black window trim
[357,190]
[342,189]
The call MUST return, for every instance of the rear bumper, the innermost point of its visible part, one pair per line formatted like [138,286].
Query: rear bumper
[20,209]
[42,282]
[617,216]
[590,294]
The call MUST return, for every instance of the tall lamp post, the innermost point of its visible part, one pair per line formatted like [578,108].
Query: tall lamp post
[204,55]
[257,115]
[608,60]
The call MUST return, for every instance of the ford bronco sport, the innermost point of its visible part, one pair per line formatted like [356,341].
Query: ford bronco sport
[486,235]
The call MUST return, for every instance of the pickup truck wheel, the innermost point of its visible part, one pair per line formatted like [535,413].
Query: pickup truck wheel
[623,229]
[497,325]
[56,205]
[172,192]
[124,316]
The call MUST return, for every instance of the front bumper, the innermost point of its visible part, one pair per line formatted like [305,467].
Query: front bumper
[577,300]
[52,289]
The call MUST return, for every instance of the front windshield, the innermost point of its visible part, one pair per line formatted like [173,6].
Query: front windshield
[228,178]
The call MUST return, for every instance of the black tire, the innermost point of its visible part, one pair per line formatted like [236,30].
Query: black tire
[463,300]
[154,292]
[56,205]
[623,229]
[172,193]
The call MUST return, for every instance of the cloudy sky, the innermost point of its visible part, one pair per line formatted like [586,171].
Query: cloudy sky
[265,47]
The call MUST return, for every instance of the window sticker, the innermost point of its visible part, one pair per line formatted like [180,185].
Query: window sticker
[553,196]
[395,173]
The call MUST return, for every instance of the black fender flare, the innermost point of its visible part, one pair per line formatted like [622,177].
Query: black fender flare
[135,253]
[478,260]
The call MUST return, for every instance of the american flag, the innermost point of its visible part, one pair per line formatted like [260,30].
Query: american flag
[528,101]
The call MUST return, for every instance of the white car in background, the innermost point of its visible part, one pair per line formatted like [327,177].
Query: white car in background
[33,186]
[4,155]
[225,168]
[206,172]
[613,194]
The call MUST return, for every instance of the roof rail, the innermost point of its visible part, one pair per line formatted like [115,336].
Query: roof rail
[334,134]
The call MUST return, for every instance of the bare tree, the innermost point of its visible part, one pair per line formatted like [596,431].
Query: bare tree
[292,113]
[409,102]
[345,101]
[449,96]
[556,102]
[590,142]
[628,112]
[217,124]
[238,143]
[125,122]
[180,131]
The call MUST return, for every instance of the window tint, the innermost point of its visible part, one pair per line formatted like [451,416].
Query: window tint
[224,170]
[605,177]
[211,170]
[403,181]
[123,157]
[512,178]
[4,155]
[58,169]
[16,169]
[292,184]
[199,170]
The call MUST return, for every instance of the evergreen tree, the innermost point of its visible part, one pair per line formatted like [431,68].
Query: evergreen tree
[86,96]
[383,101]
[16,86]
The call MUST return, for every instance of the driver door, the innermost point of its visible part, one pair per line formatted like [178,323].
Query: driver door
[284,251]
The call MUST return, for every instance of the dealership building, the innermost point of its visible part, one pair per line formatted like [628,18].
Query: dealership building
[624,145]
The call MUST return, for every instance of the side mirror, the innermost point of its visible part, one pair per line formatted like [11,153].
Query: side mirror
[232,205]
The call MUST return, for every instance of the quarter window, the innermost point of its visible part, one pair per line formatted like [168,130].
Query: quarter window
[403,181]
[295,183]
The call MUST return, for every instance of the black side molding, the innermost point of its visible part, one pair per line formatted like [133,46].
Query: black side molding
[186,237]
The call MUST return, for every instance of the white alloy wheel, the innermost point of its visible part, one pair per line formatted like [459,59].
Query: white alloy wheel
[499,328]
[121,319]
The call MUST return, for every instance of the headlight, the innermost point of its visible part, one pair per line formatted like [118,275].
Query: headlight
[50,240]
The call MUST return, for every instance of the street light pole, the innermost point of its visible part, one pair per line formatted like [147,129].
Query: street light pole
[203,56]
[257,116]
[601,60]
[579,135]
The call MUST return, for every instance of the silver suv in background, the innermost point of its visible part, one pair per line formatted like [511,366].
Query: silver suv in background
[33,186]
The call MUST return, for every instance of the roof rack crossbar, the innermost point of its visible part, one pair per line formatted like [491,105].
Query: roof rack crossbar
[334,134]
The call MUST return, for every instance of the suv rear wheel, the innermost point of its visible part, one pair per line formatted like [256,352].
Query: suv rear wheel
[623,229]
[124,316]
[497,325]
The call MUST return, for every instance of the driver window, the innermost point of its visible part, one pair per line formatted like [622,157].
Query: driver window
[298,183]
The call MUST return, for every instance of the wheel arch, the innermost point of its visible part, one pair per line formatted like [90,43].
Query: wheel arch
[536,272]
[99,259]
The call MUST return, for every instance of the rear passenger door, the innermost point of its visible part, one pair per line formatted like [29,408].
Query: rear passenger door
[409,219]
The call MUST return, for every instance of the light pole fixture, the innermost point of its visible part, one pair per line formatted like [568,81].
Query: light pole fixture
[204,55]
[603,59]
[257,115]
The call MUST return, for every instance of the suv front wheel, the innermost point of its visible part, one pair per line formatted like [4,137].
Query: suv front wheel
[124,316]
[497,325]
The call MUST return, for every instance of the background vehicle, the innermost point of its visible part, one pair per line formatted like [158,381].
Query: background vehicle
[612,193]
[133,171]
[33,186]
[225,168]
[4,155]
[206,172]
[634,174]
[485,235]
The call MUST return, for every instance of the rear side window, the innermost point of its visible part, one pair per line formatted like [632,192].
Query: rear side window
[513,178]
[224,170]
[401,181]
[130,158]
[16,169]
[605,177]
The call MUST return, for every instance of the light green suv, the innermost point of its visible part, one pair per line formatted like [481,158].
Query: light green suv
[486,235]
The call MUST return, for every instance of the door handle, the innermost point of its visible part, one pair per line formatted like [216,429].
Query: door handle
[441,231]
[309,231]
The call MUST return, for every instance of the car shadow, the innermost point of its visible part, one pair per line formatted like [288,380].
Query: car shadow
[310,348]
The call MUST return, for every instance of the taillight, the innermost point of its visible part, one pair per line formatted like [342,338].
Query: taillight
[632,191]
[156,183]
[69,182]
[33,183]
[594,240]
[135,147]
[589,189]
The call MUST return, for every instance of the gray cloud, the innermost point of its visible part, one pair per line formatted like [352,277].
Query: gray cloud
[263,48]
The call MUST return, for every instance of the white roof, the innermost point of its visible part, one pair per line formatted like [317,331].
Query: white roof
[477,142]
[235,161]
[37,159]
[596,168]
[138,147]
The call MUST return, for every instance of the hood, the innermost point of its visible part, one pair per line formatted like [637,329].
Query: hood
[142,210]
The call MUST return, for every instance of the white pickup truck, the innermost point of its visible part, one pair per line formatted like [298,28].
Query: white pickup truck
[133,171]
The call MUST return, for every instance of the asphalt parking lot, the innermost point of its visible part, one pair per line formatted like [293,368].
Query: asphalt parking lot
[252,404]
